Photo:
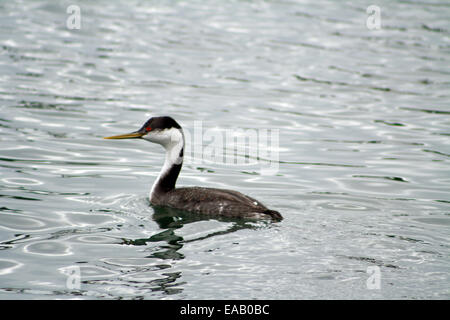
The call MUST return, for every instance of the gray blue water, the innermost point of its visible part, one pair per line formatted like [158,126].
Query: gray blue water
[362,171]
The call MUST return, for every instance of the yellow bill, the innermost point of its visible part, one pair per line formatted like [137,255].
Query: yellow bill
[126,136]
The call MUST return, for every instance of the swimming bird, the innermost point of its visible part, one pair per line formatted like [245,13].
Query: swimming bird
[166,132]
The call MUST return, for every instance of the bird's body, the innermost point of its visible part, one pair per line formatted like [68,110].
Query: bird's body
[208,201]
[212,201]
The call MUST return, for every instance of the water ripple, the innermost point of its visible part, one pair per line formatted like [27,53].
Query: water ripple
[362,168]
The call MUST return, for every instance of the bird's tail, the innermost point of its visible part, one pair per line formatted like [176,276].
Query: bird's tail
[274,214]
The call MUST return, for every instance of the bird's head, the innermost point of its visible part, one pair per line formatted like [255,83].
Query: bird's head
[162,130]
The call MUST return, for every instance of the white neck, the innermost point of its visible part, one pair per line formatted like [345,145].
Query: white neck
[173,142]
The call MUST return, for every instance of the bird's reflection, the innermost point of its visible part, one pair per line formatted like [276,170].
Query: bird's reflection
[169,220]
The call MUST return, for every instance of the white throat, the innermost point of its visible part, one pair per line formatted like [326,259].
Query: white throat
[173,142]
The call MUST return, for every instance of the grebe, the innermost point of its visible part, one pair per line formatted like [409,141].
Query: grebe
[209,201]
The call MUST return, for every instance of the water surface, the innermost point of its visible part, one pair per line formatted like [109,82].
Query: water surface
[362,175]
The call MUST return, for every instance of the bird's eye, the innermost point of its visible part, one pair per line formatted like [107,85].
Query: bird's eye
[148,129]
